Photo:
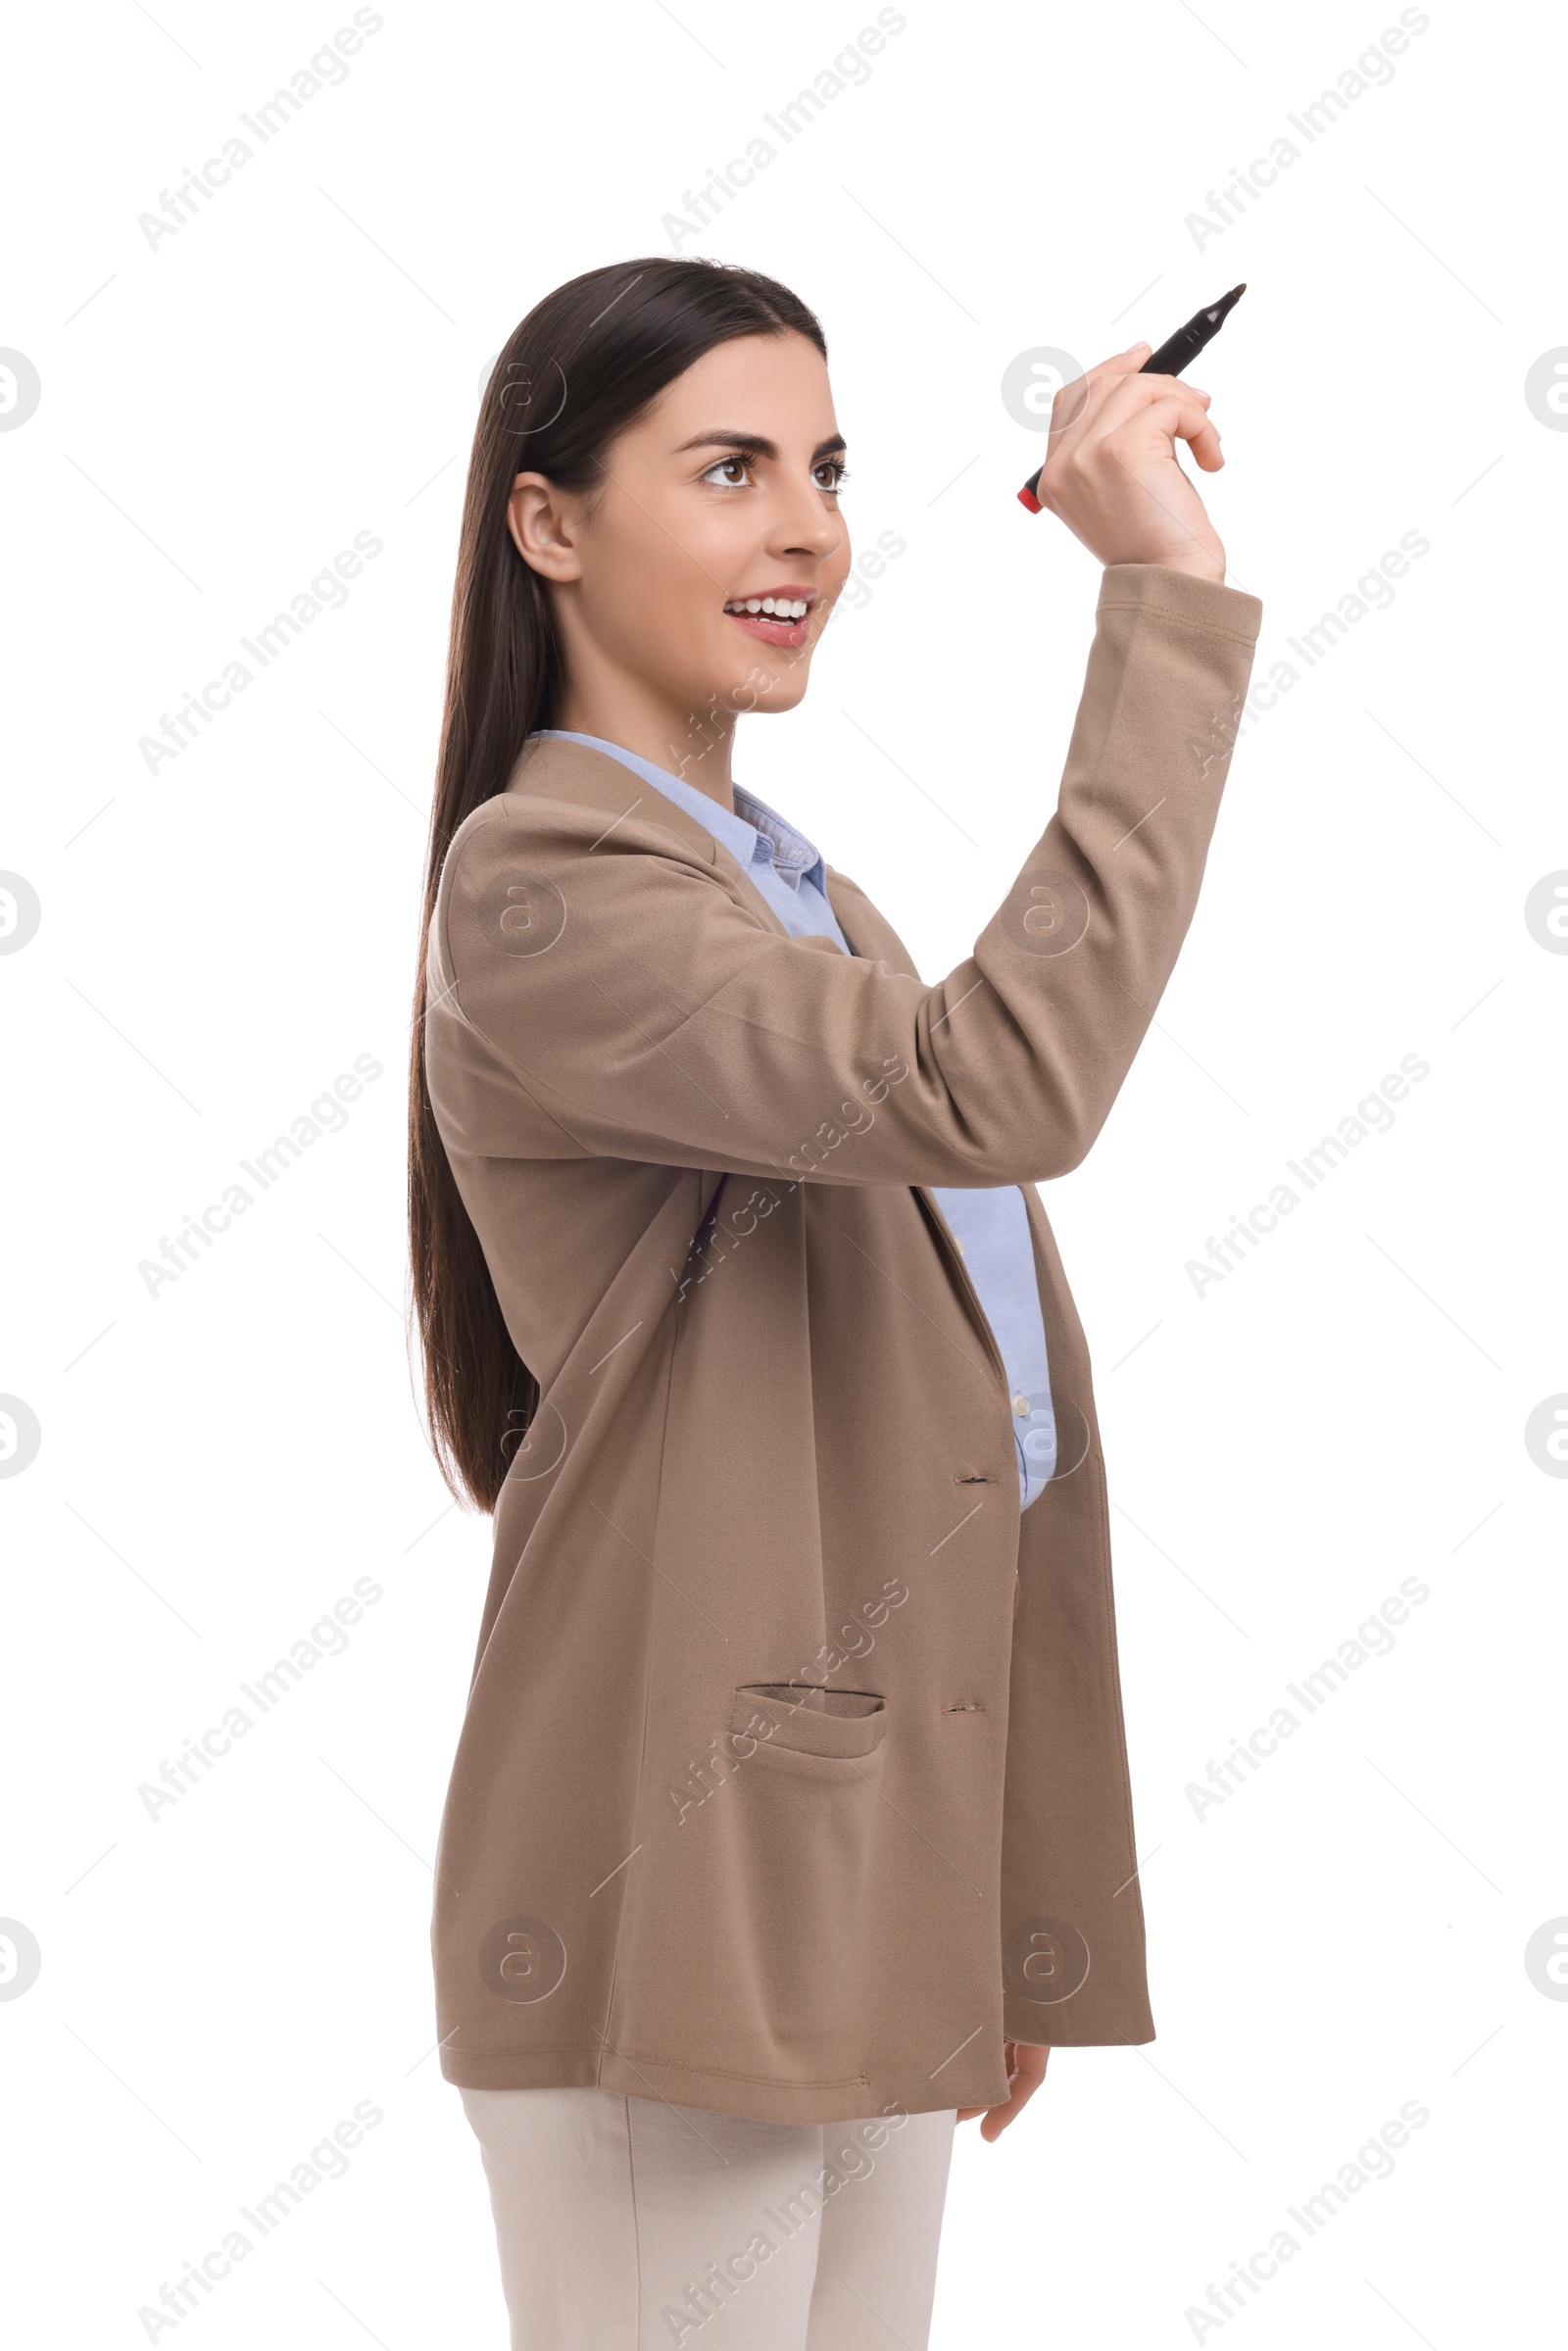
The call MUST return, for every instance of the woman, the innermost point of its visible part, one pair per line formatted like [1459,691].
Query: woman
[790,1815]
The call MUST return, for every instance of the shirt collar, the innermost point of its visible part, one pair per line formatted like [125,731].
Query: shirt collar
[793,857]
[759,836]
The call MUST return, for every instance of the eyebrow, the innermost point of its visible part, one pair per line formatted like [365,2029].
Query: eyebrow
[756,444]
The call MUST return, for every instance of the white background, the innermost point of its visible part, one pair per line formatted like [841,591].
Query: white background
[220,415]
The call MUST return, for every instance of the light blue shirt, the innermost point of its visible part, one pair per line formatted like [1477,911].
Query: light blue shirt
[989,1222]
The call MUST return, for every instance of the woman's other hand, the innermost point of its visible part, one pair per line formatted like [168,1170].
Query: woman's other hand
[1026,2070]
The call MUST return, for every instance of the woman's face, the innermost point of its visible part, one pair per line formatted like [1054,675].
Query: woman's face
[725,495]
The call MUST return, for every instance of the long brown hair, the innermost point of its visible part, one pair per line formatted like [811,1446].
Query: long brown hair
[585,364]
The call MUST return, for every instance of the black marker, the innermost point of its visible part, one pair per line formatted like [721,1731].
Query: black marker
[1170,358]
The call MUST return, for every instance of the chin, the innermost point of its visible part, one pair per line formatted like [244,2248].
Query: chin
[772,704]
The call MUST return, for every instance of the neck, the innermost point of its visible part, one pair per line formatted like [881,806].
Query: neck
[601,696]
[695,746]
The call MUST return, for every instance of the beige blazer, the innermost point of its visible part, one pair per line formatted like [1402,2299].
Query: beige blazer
[793,1777]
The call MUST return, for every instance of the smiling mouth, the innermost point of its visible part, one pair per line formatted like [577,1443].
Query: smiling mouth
[781,619]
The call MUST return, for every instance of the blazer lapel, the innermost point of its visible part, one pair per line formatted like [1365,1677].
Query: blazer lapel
[588,778]
[591,779]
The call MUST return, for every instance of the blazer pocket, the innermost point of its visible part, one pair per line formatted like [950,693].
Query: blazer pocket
[808,1770]
[806,1724]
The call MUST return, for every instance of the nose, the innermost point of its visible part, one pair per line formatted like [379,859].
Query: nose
[806,522]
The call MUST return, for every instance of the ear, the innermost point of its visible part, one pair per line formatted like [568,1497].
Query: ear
[544,527]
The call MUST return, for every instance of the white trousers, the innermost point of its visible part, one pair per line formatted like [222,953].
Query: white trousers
[629,2224]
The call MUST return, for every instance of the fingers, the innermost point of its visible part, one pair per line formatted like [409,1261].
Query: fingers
[1096,404]
[1111,472]
[1120,362]
[1183,412]
[1129,437]
[1137,406]
[1191,424]
[1129,395]
[1074,401]
[1026,2071]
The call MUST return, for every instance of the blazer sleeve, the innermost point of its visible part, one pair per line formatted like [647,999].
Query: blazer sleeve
[648,1014]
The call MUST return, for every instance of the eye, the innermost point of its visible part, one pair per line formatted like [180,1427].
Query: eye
[836,472]
[724,474]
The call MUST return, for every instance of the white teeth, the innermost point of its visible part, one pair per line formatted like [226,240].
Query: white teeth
[771,607]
